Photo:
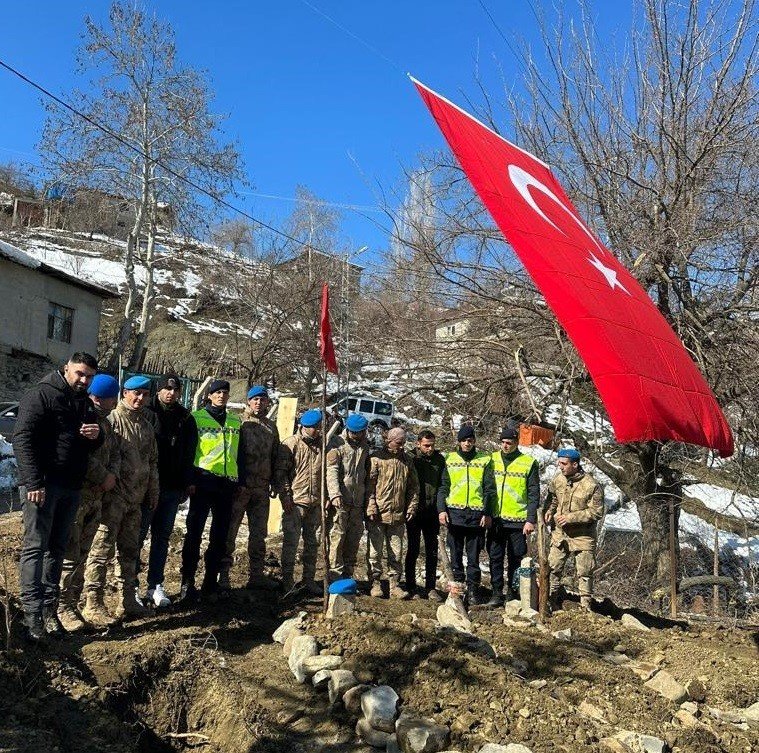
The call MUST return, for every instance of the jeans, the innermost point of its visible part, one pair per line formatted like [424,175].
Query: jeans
[471,540]
[160,522]
[214,496]
[505,543]
[424,524]
[46,534]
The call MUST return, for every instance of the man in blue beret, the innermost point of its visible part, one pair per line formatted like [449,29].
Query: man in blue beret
[573,507]
[301,500]
[119,532]
[347,472]
[102,472]
[260,480]
[56,431]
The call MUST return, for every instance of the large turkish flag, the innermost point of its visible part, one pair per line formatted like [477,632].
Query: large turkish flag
[650,386]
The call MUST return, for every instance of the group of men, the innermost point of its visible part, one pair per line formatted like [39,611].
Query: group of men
[101,466]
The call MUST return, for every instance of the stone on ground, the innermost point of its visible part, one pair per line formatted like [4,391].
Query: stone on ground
[291,636]
[352,698]
[592,712]
[696,690]
[303,647]
[664,684]
[321,678]
[639,743]
[419,735]
[379,706]
[633,623]
[510,748]
[339,604]
[751,714]
[281,633]
[340,682]
[313,664]
[643,669]
[371,736]
[450,614]
[563,635]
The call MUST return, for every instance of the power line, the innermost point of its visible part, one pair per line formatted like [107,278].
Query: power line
[142,154]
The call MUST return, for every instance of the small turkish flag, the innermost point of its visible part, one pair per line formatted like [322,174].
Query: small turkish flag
[326,346]
[647,381]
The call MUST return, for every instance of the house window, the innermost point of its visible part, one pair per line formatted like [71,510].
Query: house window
[59,319]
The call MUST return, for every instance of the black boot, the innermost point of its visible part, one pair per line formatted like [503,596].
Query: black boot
[50,622]
[475,596]
[34,628]
[496,600]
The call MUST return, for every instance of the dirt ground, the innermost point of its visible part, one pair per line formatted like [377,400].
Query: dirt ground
[211,679]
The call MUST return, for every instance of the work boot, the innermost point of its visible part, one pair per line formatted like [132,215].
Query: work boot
[474,597]
[188,594]
[131,606]
[434,595]
[496,600]
[287,584]
[95,613]
[34,628]
[70,618]
[376,590]
[262,582]
[313,588]
[224,582]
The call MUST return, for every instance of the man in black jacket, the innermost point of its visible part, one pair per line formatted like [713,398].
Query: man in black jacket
[55,433]
[177,436]
[429,464]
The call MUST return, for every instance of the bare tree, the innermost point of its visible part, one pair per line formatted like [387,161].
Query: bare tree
[236,237]
[159,133]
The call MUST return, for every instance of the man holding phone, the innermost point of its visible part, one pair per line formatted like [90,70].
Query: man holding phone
[55,433]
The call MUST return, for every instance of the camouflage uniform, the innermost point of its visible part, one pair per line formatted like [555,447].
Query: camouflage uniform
[580,498]
[121,518]
[347,472]
[104,461]
[393,492]
[301,465]
[259,473]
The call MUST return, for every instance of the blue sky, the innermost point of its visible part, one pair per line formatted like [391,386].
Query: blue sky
[307,101]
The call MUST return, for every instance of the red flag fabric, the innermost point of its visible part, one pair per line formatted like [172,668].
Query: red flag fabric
[326,346]
[650,386]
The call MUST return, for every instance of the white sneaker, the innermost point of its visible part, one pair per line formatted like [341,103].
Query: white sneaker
[158,596]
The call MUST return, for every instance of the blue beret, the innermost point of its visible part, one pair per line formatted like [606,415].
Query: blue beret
[311,418]
[104,385]
[345,586]
[356,422]
[137,382]
[257,391]
[569,452]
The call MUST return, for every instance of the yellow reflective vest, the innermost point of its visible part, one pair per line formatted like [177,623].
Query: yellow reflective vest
[217,445]
[466,481]
[511,484]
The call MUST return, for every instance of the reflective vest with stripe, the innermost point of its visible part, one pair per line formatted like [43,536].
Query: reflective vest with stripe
[466,480]
[511,483]
[217,445]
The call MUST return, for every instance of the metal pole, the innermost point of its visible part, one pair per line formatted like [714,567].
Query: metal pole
[543,578]
[715,588]
[324,500]
[672,559]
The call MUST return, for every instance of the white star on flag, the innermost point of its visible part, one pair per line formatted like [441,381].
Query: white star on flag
[607,272]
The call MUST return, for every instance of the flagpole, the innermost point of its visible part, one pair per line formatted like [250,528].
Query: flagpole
[325,538]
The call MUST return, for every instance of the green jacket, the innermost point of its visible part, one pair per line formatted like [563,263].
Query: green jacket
[218,445]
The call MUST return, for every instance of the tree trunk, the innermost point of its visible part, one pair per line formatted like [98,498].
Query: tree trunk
[148,294]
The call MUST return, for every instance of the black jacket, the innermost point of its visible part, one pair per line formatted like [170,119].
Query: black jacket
[48,446]
[177,438]
[430,469]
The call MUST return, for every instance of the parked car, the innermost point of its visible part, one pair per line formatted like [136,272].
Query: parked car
[378,412]
[8,416]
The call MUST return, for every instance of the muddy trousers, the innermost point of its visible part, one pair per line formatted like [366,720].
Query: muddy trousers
[46,533]
[508,544]
[80,542]
[118,534]
[212,496]
[160,523]
[344,539]
[585,562]
[385,537]
[470,540]
[253,503]
[306,522]
[426,525]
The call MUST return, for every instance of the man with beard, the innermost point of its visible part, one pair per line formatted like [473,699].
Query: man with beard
[102,474]
[56,431]
[177,438]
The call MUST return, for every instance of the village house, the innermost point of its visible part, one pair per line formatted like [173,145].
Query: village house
[45,315]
